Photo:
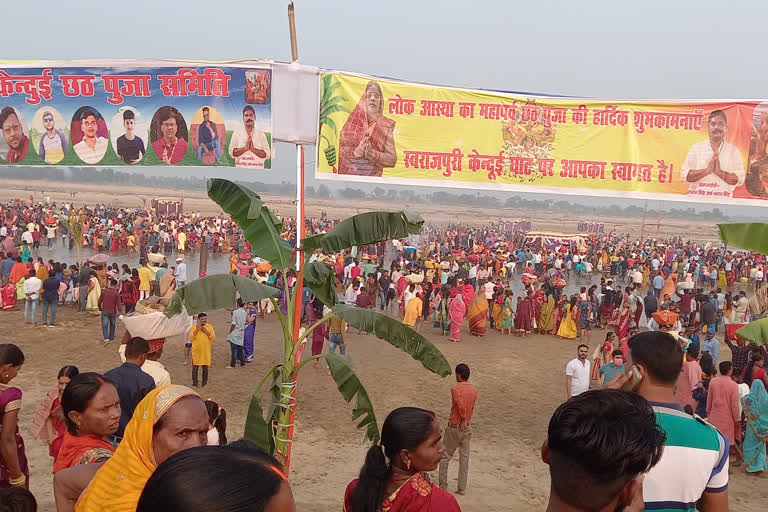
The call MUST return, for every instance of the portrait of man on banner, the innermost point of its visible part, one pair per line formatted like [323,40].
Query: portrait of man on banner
[169,135]
[53,142]
[206,131]
[129,146]
[89,135]
[366,143]
[249,145]
[12,127]
[714,167]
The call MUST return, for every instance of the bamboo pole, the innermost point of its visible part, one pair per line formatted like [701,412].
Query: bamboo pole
[298,289]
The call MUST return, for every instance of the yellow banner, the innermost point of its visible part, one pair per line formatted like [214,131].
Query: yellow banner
[381,131]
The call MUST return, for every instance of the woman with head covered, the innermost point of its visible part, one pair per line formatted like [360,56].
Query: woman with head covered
[366,143]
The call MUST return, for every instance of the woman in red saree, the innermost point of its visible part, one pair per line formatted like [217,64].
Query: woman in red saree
[524,316]
[620,321]
[366,143]
[394,476]
[456,311]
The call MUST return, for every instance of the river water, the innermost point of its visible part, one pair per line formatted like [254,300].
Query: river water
[217,263]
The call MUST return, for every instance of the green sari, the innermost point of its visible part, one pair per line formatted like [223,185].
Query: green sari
[756,411]
[441,317]
[507,314]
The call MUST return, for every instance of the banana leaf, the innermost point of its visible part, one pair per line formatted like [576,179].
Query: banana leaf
[751,236]
[327,88]
[365,228]
[216,292]
[396,334]
[755,332]
[349,387]
[259,224]
[320,279]
[258,428]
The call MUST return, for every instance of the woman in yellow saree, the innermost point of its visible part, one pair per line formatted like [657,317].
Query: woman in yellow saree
[152,435]
[546,315]
[94,292]
[567,327]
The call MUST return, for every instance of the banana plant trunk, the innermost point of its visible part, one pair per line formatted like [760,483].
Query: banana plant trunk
[284,428]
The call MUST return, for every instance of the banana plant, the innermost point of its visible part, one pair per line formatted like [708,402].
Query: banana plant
[271,428]
[752,236]
[74,224]
[330,104]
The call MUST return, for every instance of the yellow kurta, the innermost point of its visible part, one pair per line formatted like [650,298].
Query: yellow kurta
[412,312]
[145,275]
[201,346]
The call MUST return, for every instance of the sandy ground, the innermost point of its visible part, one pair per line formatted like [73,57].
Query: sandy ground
[520,382]
[543,220]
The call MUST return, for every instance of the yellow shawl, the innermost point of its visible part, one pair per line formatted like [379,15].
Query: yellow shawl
[118,484]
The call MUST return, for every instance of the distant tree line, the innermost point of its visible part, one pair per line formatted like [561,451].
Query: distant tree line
[109,176]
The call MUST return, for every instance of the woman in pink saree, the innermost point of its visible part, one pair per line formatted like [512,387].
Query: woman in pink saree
[394,476]
[366,143]
[457,310]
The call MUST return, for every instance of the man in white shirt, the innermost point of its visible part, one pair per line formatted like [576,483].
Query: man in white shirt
[577,373]
[91,148]
[249,146]
[32,287]
[180,273]
[27,237]
[155,368]
[714,167]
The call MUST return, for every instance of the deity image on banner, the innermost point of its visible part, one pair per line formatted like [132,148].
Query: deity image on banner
[757,175]
[169,135]
[89,135]
[206,133]
[49,135]
[366,143]
[15,143]
[129,133]
[528,139]
[258,86]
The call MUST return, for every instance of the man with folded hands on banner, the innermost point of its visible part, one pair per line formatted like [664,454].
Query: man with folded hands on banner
[13,133]
[714,165]
[249,146]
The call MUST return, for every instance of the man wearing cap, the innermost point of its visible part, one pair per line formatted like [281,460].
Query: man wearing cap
[711,344]
[665,320]
[180,272]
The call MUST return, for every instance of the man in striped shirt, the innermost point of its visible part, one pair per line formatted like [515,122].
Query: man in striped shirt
[693,471]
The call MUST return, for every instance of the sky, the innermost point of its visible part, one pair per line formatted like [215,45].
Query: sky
[593,48]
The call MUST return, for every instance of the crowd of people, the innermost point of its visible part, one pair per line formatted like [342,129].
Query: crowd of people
[652,396]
